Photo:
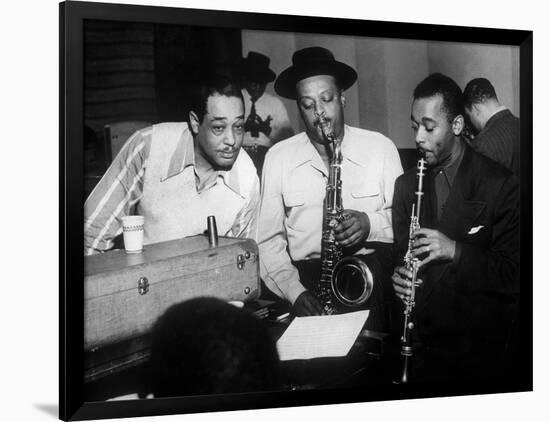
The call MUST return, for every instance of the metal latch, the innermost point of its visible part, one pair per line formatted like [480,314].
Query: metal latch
[242,258]
[143,285]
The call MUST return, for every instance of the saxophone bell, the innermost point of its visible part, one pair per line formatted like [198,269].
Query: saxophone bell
[352,282]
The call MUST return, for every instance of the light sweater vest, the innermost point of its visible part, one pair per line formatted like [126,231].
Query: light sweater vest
[172,207]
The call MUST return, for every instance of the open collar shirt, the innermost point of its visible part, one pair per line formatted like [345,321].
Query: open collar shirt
[131,183]
[293,190]
[444,177]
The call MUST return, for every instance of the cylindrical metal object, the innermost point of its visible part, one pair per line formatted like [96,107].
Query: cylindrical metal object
[412,264]
[212,231]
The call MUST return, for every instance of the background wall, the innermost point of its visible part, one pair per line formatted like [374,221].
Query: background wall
[499,64]
[119,72]
[389,70]
[138,71]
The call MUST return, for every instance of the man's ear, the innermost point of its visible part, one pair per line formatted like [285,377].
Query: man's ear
[458,124]
[194,122]
[342,100]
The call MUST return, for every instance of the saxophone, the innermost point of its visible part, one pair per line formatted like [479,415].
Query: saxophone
[411,264]
[343,281]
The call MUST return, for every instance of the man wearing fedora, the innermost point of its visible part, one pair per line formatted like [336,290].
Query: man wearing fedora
[294,182]
[266,118]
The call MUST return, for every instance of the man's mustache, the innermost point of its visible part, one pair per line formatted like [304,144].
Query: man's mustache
[319,122]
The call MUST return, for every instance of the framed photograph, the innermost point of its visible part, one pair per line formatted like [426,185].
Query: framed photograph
[128,76]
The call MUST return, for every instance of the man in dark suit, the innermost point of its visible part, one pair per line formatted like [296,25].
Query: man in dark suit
[467,246]
[499,135]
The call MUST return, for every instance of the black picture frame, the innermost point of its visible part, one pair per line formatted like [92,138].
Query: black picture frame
[71,17]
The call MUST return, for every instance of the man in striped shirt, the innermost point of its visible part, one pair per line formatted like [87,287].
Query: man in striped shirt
[177,174]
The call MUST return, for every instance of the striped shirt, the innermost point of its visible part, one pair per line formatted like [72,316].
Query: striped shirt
[131,185]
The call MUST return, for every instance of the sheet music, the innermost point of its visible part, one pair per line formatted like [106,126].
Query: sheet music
[321,336]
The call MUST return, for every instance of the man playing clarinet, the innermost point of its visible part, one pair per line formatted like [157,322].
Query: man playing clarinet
[467,247]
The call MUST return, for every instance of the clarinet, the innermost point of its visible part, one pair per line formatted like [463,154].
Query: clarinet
[411,264]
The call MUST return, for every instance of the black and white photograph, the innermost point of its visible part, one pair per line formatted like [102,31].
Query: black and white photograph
[280,212]
[276,211]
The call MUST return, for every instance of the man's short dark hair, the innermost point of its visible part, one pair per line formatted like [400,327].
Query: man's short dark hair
[207,86]
[439,84]
[478,91]
[207,346]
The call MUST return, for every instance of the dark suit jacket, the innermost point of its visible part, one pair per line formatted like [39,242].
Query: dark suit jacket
[500,140]
[465,310]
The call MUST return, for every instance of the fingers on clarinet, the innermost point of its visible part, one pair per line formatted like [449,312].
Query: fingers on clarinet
[407,273]
[419,241]
[404,298]
[400,289]
[422,232]
[429,258]
[400,281]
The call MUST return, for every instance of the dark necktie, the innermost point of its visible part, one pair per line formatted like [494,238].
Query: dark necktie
[442,189]
[253,107]
[253,120]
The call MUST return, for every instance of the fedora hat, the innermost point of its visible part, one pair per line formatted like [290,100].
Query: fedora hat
[313,61]
[255,67]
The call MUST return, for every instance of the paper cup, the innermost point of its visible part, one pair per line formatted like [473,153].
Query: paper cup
[132,228]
